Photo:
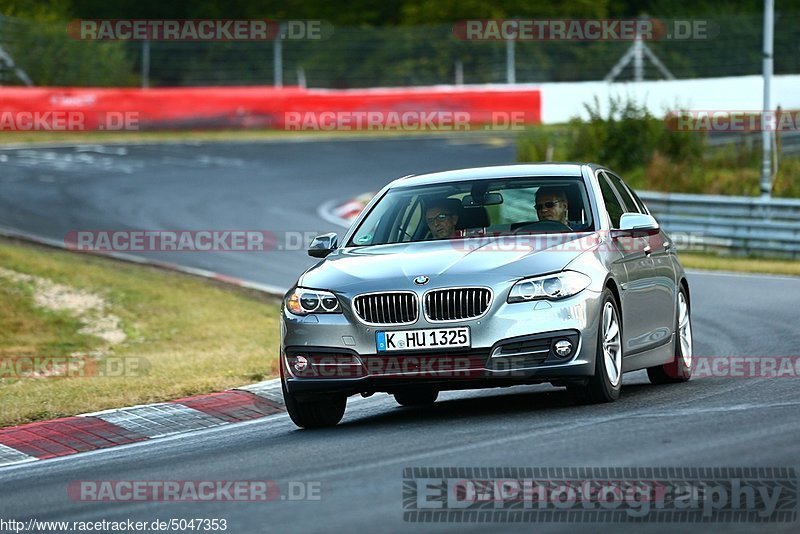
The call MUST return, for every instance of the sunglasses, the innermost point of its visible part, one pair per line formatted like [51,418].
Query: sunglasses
[549,204]
[440,217]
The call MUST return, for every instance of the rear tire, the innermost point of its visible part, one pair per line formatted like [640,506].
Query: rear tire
[321,412]
[417,397]
[680,368]
[606,383]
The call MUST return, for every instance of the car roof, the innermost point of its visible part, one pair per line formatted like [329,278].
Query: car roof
[520,170]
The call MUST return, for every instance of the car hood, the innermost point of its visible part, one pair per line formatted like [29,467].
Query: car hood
[479,261]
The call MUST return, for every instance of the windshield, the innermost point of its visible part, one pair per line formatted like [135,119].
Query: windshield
[476,209]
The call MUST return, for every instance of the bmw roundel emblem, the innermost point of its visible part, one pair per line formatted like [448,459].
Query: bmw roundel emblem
[421,280]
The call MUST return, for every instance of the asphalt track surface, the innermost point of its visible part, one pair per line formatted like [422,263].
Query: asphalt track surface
[270,187]
[707,422]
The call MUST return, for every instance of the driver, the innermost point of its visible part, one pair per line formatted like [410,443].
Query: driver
[442,216]
[551,204]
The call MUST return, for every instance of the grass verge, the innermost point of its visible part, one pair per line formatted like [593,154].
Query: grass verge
[711,262]
[185,336]
[154,136]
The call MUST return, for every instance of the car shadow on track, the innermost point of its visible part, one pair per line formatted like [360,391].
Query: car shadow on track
[525,401]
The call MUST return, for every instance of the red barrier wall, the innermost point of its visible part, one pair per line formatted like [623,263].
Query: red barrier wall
[26,108]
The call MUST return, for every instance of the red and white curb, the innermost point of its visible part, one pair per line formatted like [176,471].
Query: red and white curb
[110,428]
[344,213]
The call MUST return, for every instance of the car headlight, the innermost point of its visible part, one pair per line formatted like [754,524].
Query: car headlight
[550,287]
[302,301]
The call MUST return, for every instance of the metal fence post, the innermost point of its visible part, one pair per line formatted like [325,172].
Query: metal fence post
[511,68]
[277,51]
[766,135]
[145,64]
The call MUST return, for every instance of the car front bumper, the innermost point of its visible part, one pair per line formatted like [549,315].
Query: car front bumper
[511,344]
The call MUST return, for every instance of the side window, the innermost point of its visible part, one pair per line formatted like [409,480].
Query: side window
[613,205]
[642,207]
[624,193]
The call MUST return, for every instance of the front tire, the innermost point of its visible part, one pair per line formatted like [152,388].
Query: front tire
[606,383]
[318,412]
[680,368]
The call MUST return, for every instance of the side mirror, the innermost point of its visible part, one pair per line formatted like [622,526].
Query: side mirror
[636,224]
[322,245]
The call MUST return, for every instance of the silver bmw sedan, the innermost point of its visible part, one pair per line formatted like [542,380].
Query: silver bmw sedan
[486,277]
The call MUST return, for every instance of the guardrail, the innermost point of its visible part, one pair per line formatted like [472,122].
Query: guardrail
[742,225]
[788,141]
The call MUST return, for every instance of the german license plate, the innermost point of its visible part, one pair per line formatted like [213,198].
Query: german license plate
[434,338]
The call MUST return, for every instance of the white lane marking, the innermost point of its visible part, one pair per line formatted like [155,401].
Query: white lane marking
[72,161]
[534,433]
[11,456]
[102,149]
[717,409]
[157,420]
[694,272]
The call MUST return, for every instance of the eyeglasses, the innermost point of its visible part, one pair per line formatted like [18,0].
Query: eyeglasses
[549,204]
[440,217]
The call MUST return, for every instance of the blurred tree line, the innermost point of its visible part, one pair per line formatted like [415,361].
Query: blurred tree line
[381,42]
[381,12]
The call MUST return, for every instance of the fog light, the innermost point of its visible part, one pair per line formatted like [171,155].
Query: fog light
[563,348]
[300,363]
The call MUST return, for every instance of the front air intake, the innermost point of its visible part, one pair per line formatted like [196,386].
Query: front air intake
[394,308]
[456,304]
